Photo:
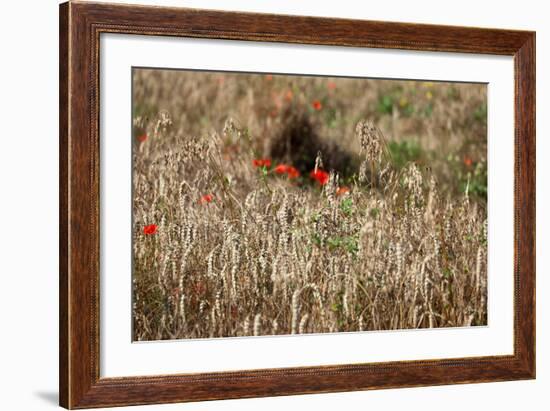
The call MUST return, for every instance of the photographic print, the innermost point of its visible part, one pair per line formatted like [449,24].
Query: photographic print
[271,204]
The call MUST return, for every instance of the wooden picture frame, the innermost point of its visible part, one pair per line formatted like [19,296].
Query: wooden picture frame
[80,27]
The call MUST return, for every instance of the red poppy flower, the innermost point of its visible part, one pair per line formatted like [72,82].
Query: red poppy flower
[331,85]
[281,169]
[142,138]
[269,77]
[207,198]
[320,176]
[342,190]
[261,162]
[292,172]
[317,105]
[468,161]
[289,95]
[150,229]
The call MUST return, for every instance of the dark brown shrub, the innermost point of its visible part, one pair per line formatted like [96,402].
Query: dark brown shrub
[296,141]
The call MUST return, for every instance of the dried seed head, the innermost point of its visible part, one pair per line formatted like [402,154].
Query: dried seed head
[295,311]
[257,324]
[303,324]
[318,162]
[370,140]
[275,327]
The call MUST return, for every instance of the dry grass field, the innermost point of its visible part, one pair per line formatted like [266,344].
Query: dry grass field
[271,204]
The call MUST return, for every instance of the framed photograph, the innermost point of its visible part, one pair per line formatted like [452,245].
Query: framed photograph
[259,205]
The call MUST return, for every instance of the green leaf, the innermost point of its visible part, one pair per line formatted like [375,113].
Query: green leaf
[346,205]
[385,104]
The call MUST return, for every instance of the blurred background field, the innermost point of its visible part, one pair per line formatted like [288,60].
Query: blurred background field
[435,124]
